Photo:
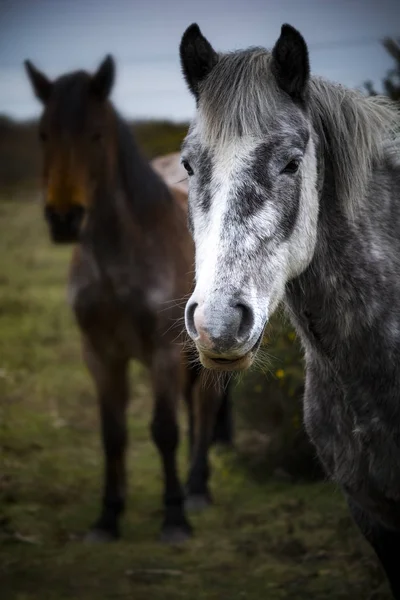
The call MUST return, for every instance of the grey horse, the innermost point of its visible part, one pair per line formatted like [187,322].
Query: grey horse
[295,197]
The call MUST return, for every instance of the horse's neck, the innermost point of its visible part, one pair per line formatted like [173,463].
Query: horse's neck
[351,280]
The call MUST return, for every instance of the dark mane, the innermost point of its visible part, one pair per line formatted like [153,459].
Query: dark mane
[142,185]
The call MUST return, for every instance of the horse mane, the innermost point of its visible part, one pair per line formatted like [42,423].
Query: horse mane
[143,187]
[240,96]
[353,130]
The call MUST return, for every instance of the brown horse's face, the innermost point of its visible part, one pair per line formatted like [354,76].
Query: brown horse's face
[77,136]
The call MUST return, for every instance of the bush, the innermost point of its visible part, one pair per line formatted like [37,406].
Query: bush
[157,138]
[271,436]
[20,160]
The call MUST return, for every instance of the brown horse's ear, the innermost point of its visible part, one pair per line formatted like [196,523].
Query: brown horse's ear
[198,58]
[42,86]
[103,79]
[290,63]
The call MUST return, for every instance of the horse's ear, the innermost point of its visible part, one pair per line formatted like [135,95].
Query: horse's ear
[103,79]
[290,64]
[198,57]
[42,86]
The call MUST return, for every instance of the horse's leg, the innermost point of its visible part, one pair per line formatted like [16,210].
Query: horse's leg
[223,431]
[112,389]
[207,400]
[385,542]
[192,373]
[166,372]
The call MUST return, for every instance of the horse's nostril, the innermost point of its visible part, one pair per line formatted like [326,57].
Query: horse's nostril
[246,321]
[190,322]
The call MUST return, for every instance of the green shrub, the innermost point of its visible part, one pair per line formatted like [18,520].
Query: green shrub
[271,436]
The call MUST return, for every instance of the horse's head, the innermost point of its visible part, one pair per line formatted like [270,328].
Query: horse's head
[76,132]
[253,201]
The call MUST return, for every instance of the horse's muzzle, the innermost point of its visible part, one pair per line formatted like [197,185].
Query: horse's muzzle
[225,332]
[64,226]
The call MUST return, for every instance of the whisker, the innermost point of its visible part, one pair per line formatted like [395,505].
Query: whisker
[181,180]
[174,324]
[173,304]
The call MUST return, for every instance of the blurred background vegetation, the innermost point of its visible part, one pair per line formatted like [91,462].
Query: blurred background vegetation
[391,83]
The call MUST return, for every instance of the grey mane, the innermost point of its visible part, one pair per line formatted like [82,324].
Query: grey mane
[240,96]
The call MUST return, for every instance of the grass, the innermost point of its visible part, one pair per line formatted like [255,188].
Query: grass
[270,540]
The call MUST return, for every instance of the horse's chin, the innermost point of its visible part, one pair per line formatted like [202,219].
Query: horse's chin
[226,364]
[237,363]
[64,239]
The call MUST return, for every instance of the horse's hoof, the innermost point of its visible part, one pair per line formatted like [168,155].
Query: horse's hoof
[100,536]
[197,502]
[176,534]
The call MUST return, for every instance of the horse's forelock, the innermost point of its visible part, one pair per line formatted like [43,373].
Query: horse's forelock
[237,96]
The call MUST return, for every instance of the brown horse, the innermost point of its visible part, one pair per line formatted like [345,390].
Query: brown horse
[133,259]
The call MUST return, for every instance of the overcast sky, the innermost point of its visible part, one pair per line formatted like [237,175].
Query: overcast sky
[143,35]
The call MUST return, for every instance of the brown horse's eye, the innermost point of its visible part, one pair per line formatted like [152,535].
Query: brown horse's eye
[43,136]
[96,136]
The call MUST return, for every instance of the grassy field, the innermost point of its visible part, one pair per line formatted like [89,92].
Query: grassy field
[269,540]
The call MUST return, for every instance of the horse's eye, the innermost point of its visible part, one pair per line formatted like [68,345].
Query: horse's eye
[96,136]
[291,167]
[43,136]
[187,167]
